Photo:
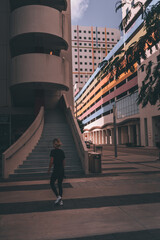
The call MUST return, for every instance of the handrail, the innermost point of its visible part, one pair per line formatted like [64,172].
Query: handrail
[18,151]
[80,144]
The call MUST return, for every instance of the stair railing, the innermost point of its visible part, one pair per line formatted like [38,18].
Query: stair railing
[18,152]
[76,133]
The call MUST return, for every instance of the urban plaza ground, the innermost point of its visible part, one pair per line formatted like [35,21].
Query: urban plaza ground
[121,203]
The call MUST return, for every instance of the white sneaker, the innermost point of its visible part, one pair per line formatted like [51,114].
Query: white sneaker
[61,202]
[57,200]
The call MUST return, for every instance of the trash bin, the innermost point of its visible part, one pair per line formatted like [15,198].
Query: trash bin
[94,162]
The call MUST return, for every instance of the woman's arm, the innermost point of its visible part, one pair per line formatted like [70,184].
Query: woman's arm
[50,164]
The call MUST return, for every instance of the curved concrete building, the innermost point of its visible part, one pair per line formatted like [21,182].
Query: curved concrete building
[36,89]
[40,52]
[35,62]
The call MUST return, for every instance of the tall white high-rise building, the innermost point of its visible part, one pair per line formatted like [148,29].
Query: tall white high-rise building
[90,45]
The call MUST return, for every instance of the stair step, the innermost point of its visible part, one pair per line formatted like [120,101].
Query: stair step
[36,165]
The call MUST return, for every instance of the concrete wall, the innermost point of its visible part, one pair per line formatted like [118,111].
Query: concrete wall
[36,18]
[37,67]
[149,112]
[18,152]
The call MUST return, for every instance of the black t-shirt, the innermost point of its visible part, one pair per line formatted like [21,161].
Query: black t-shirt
[58,158]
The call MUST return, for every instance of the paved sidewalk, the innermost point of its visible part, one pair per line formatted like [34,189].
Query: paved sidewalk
[121,204]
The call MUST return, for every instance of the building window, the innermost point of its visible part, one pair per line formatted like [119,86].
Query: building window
[112,33]
[80,44]
[108,39]
[127,106]
[75,43]
[80,50]
[90,70]
[85,56]
[81,63]
[75,50]
[127,10]
[75,37]
[75,30]
[107,33]
[132,3]
[84,31]
[80,37]
[112,39]
[80,56]
[76,76]
[76,63]
[142,68]
[75,56]
[85,63]
[103,32]
[80,31]
[158,58]
[76,69]
[85,50]
[89,31]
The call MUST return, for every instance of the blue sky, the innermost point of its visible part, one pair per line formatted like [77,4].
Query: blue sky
[100,13]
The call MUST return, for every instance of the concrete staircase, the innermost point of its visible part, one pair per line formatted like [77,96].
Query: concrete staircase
[36,165]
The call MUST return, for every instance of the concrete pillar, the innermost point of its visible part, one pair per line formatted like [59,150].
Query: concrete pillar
[119,135]
[100,137]
[129,134]
[112,136]
[150,132]
[97,137]
[108,136]
[94,137]
[138,134]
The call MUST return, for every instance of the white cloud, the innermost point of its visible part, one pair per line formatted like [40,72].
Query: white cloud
[78,7]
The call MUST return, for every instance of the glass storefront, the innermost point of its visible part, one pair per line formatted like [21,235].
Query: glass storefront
[127,106]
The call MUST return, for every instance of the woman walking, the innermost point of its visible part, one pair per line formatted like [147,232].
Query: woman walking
[57,159]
